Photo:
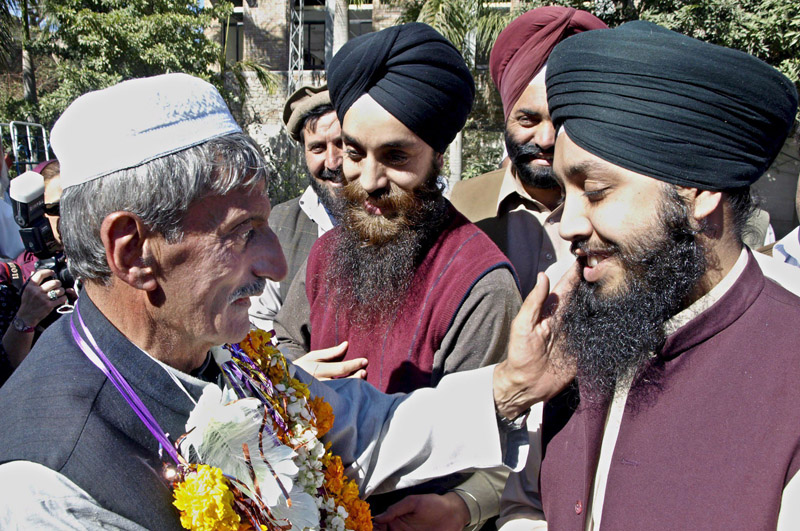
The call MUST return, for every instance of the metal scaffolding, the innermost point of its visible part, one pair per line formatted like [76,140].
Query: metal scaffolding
[295,73]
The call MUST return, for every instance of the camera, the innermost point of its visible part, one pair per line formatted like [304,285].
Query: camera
[27,199]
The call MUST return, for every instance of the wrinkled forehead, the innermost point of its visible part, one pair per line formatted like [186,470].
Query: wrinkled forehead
[215,210]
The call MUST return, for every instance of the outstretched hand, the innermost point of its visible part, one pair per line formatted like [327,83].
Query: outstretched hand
[425,512]
[323,365]
[530,373]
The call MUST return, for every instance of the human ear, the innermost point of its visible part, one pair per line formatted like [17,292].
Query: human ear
[127,242]
[704,203]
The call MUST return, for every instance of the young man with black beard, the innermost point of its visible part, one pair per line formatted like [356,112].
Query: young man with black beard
[681,413]
[515,205]
[409,283]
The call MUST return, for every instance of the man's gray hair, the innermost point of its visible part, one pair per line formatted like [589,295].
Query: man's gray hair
[160,192]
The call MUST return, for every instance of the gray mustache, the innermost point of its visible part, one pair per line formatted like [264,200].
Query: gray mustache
[251,290]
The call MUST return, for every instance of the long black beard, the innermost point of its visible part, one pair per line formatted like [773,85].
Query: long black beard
[612,338]
[332,201]
[521,155]
[371,279]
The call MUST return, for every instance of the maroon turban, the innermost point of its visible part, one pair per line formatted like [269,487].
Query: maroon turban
[522,48]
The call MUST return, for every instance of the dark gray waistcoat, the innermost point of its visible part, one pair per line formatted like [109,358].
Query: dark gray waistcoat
[59,410]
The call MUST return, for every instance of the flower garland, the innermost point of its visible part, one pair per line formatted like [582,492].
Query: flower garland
[263,465]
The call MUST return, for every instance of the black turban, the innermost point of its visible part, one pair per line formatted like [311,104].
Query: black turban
[413,72]
[671,107]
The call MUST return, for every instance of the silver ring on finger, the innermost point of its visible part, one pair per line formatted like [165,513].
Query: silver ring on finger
[52,294]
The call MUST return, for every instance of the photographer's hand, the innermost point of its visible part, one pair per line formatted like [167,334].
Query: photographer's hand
[35,305]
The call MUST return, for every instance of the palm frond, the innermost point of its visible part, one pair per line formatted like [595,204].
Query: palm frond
[265,77]
[7,20]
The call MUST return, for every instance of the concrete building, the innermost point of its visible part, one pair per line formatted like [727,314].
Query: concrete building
[293,38]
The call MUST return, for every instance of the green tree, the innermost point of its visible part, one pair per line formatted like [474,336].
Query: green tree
[767,29]
[101,42]
[97,43]
[6,39]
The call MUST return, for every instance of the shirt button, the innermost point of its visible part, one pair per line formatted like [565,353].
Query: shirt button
[578,507]
[548,256]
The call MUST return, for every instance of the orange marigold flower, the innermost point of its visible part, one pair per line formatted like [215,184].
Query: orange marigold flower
[275,373]
[349,494]
[359,517]
[334,474]
[300,387]
[323,414]
[258,347]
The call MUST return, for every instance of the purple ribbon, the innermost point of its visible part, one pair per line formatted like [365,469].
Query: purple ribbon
[96,356]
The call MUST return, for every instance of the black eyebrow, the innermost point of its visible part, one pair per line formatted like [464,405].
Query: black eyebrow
[350,140]
[530,112]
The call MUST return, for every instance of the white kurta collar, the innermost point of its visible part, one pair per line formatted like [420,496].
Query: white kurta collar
[311,205]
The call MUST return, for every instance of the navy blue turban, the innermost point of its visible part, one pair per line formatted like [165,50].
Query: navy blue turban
[413,72]
[670,107]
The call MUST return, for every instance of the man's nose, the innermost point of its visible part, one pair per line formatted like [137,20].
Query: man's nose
[333,157]
[574,224]
[373,175]
[545,136]
[271,262]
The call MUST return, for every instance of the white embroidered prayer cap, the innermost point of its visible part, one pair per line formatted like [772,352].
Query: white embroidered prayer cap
[137,121]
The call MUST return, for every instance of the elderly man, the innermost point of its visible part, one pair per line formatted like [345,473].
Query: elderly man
[681,416]
[406,280]
[164,217]
[514,205]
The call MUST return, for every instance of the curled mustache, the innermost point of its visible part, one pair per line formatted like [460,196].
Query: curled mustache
[250,290]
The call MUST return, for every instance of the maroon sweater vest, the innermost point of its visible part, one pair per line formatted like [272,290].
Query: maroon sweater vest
[400,352]
[714,447]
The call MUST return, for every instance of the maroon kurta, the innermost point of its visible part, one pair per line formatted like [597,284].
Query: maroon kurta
[714,447]
[400,351]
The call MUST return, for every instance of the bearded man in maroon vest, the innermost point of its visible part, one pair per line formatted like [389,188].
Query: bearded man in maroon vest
[406,280]
[683,412]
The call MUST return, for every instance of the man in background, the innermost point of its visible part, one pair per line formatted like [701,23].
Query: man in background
[515,205]
[310,120]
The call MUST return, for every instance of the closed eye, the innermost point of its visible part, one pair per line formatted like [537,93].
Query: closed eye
[595,195]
